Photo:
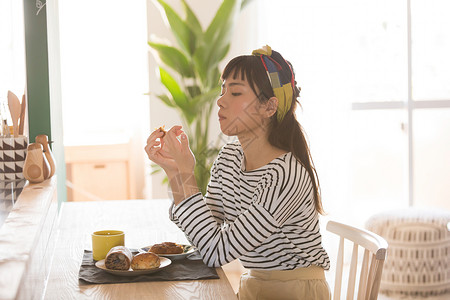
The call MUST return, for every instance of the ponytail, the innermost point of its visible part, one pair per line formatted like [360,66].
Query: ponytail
[289,136]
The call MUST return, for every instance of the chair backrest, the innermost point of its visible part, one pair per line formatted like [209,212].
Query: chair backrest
[374,248]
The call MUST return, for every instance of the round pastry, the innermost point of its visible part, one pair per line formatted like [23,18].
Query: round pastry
[166,248]
[163,131]
[145,261]
[118,258]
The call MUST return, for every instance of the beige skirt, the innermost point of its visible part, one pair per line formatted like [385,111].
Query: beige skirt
[301,283]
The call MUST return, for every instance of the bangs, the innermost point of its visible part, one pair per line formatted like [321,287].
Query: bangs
[250,69]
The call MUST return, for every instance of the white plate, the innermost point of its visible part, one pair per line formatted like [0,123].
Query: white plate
[187,249]
[165,262]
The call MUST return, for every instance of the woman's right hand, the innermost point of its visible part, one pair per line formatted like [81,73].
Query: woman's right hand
[155,152]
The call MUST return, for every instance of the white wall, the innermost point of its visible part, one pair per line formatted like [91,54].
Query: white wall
[244,41]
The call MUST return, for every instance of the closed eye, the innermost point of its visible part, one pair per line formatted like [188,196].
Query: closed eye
[236,94]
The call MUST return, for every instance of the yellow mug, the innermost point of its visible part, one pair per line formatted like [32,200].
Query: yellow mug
[104,240]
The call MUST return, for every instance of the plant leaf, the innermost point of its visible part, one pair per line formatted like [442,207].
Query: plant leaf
[155,169]
[183,34]
[209,96]
[173,58]
[213,78]
[223,52]
[216,38]
[192,21]
[166,100]
[245,3]
[200,64]
[225,16]
[174,89]
[193,90]
[189,116]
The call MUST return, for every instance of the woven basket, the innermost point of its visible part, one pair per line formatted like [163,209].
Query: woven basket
[418,260]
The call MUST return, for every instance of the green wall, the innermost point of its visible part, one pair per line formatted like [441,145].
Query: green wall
[43,80]
[36,53]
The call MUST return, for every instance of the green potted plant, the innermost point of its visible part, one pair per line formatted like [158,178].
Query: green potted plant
[190,73]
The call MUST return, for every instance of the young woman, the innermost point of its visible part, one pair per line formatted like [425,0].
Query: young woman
[263,199]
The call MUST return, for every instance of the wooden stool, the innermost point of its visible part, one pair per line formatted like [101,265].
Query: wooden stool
[418,259]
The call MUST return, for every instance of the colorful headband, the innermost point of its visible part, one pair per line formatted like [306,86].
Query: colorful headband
[283,90]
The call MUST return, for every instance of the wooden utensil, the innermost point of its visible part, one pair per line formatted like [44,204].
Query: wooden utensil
[22,114]
[14,109]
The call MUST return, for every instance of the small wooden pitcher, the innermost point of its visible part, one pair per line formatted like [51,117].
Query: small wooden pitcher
[43,140]
[36,168]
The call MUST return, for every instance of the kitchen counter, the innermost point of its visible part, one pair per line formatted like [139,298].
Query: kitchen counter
[27,241]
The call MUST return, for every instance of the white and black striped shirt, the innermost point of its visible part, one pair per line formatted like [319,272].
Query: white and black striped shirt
[265,217]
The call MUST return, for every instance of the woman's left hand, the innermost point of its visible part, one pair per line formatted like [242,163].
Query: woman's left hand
[179,149]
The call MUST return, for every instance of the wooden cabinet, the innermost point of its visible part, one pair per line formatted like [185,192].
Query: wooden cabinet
[99,172]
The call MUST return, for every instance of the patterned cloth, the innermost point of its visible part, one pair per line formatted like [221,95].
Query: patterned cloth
[282,89]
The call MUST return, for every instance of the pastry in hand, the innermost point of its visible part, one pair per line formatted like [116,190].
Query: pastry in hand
[145,261]
[167,248]
[118,258]
[163,131]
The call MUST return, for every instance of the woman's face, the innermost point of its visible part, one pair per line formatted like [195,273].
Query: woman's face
[240,111]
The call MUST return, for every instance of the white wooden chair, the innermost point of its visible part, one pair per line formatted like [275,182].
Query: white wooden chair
[371,268]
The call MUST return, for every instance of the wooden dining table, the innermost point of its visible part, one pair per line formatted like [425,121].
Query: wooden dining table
[144,222]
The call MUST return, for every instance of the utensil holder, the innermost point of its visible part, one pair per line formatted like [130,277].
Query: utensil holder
[13,151]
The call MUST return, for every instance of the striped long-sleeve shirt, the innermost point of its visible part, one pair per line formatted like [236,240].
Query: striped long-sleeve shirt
[265,217]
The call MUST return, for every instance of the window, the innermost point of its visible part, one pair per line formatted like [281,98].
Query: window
[12,53]
[104,70]
[104,79]
[375,97]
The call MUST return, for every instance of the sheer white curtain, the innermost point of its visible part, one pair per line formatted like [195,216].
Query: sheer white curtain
[350,53]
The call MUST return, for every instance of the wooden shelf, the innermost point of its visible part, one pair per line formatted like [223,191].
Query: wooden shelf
[28,239]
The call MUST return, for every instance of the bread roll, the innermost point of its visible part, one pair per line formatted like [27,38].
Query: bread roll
[163,131]
[166,248]
[145,261]
[118,258]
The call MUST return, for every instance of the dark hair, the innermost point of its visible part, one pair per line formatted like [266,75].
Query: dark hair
[287,134]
